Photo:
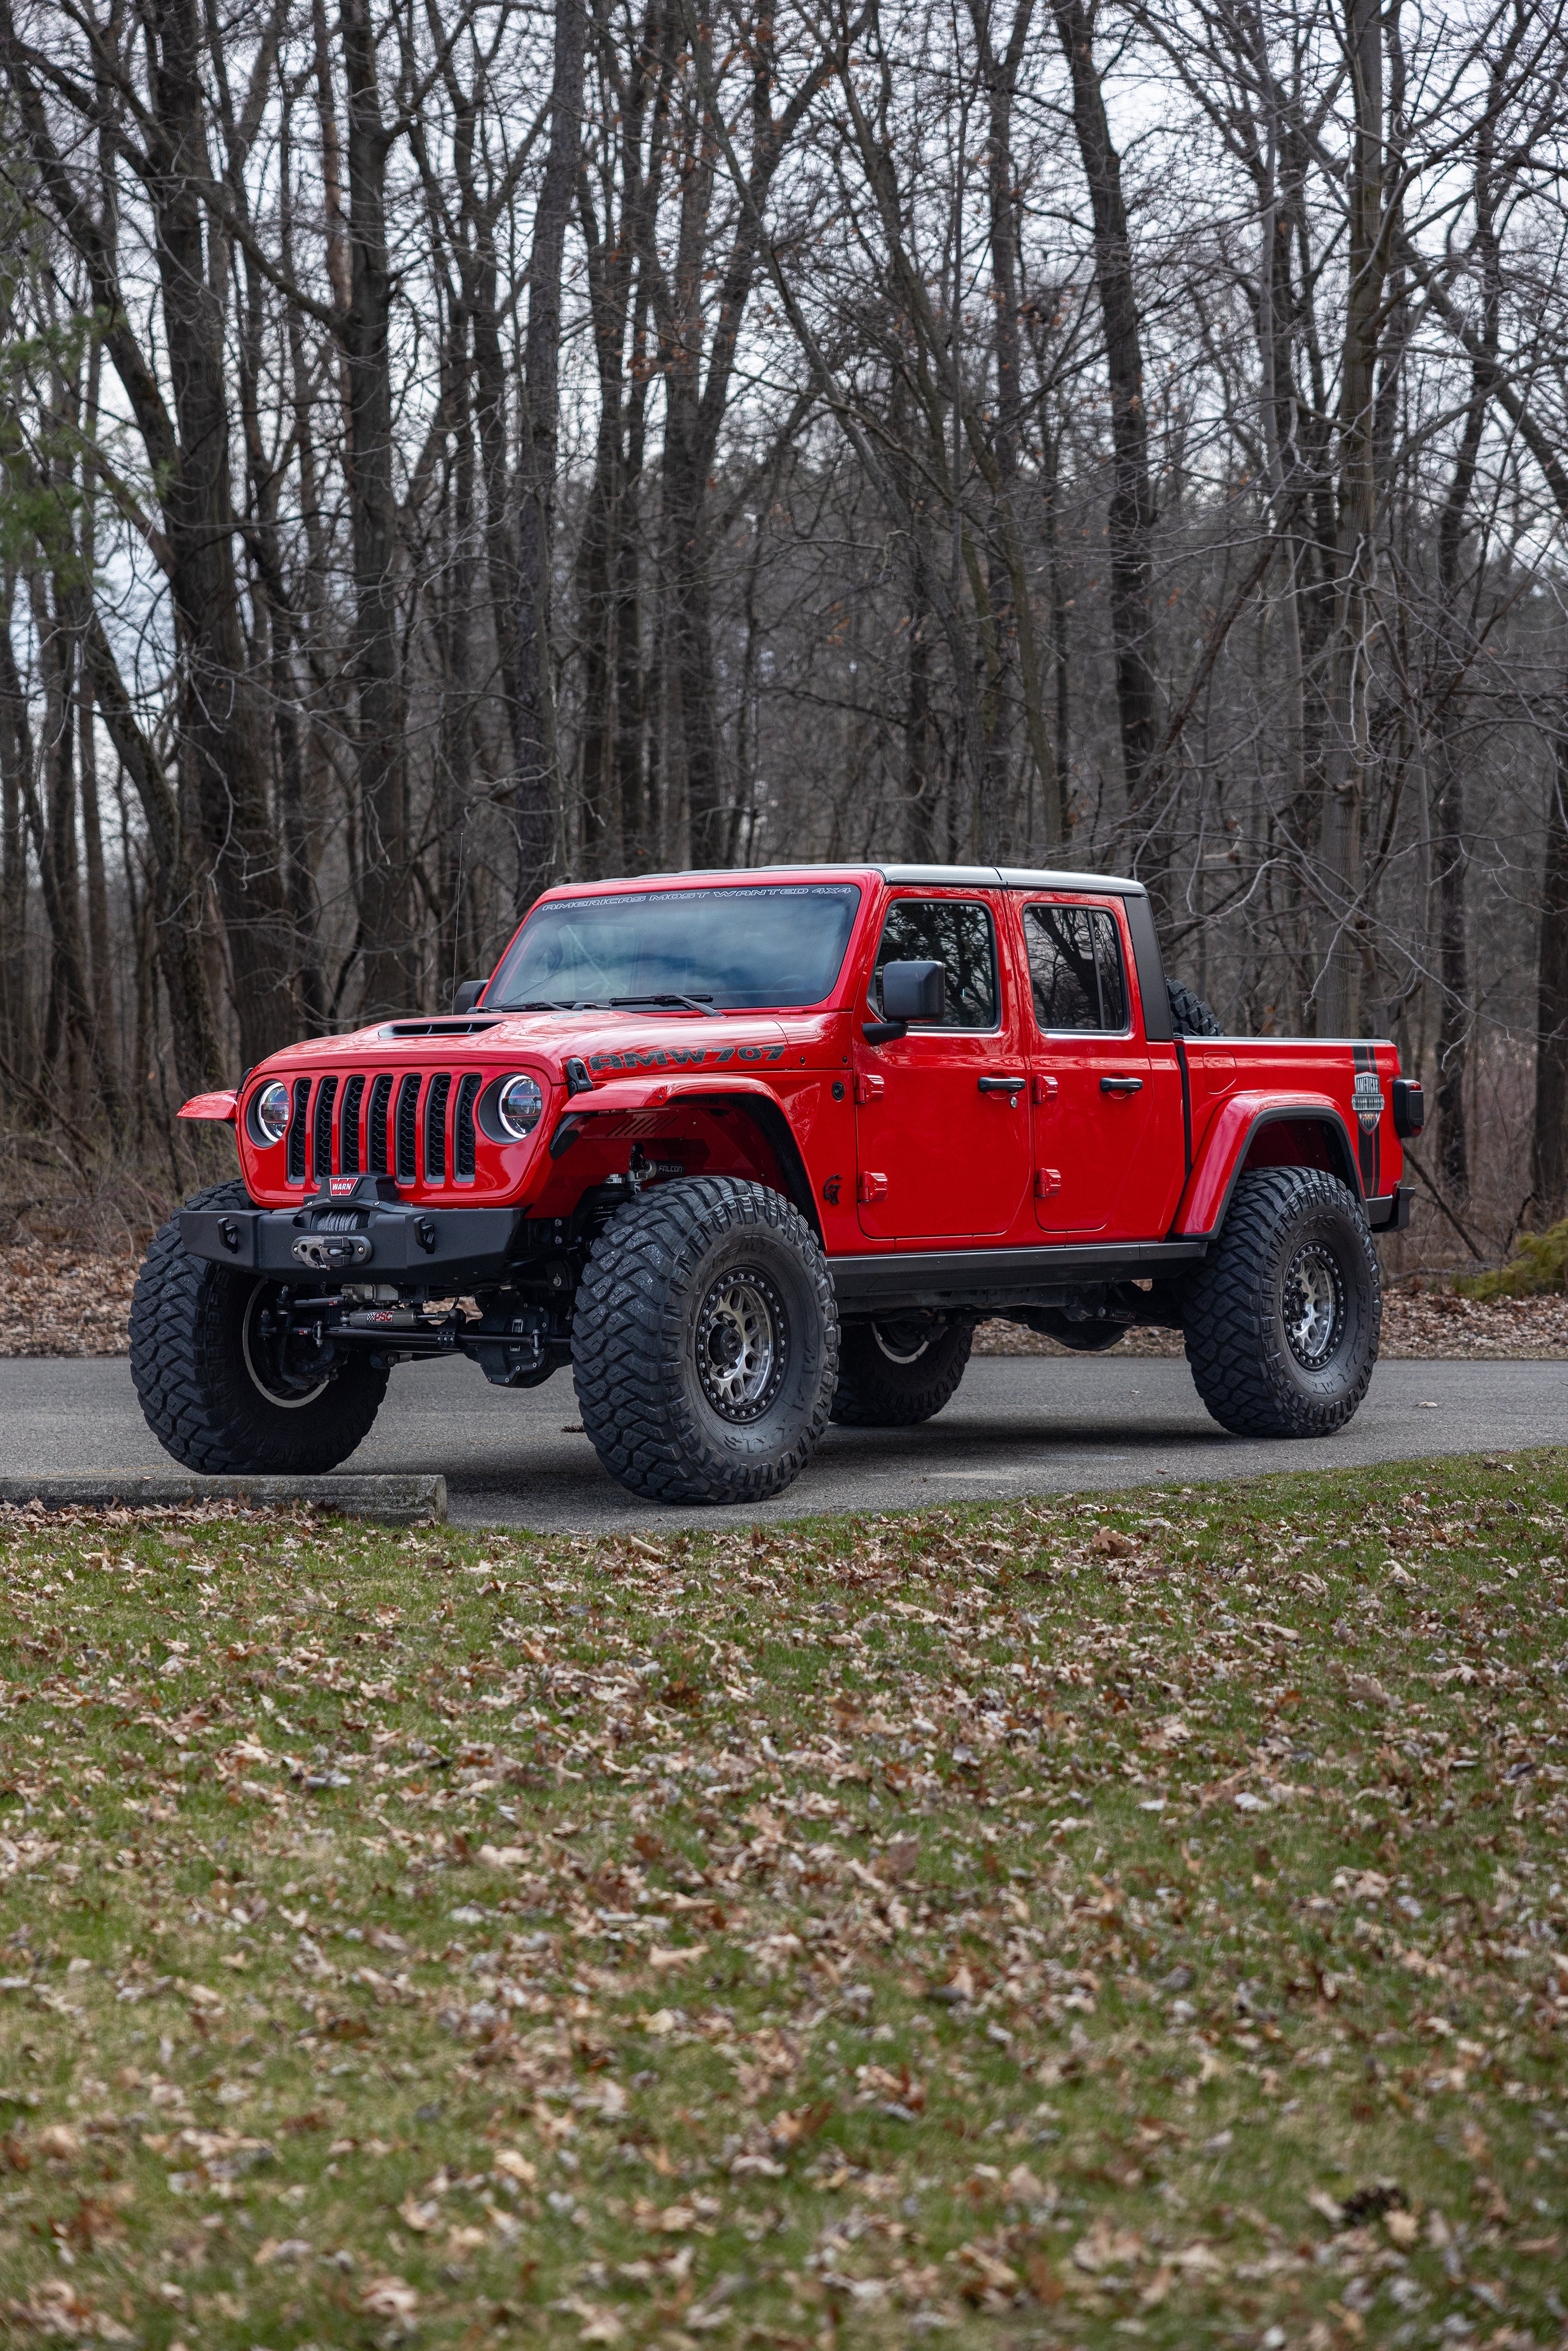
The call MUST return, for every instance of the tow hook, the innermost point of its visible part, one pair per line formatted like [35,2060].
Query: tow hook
[325,1252]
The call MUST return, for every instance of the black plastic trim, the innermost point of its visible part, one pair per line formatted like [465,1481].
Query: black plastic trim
[984,1276]
[1158,1026]
[1390,1213]
[1180,1044]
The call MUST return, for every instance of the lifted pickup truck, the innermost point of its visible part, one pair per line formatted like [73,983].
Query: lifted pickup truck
[756,1151]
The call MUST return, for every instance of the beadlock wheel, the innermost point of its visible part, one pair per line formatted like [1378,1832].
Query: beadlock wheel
[1313,1305]
[742,1343]
[1282,1318]
[705,1343]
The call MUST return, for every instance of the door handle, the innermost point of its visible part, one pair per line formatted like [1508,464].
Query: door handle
[1120,1085]
[1002,1085]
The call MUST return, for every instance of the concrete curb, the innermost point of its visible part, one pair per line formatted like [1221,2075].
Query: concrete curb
[400,1500]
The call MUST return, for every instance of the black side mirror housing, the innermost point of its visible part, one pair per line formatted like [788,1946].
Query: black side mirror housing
[469,995]
[912,993]
[1409,1106]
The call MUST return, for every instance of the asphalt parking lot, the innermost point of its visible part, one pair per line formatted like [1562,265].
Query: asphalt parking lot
[1018,1425]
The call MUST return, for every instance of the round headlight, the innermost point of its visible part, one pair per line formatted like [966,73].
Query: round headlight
[519,1106]
[270,1112]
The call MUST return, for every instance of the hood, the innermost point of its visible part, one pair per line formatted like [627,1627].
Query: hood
[606,1042]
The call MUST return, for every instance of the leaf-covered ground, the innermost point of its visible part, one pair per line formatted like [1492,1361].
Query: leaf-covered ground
[1140,1918]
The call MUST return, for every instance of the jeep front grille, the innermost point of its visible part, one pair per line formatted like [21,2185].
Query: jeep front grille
[421,1126]
[326,1094]
[349,1127]
[408,1131]
[435,1128]
[463,1154]
[296,1129]
[376,1160]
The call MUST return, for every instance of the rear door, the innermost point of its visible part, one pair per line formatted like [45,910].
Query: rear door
[1089,1071]
[942,1138]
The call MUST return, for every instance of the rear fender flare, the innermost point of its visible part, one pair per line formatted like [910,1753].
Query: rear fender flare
[1229,1140]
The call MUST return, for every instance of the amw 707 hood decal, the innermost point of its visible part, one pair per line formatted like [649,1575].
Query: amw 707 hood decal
[660,1057]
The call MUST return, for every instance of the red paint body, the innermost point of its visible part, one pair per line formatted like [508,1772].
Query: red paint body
[892,1145]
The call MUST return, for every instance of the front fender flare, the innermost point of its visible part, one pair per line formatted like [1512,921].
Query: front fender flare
[751,1096]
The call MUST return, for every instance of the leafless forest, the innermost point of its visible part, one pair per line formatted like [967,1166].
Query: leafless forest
[451,444]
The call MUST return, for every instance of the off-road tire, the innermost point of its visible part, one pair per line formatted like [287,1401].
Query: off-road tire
[878,1390]
[188,1361]
[1250,1375]
[641,1312]
[1190,1015]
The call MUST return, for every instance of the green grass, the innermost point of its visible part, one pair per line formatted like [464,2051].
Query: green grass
[1134,1919]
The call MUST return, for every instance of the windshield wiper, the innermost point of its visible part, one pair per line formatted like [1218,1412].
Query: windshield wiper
[541,1004]
[682,1003]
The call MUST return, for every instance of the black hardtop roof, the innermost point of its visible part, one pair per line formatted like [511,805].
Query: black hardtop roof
[947,877]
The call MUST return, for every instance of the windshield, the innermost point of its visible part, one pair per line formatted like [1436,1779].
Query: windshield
[730,949]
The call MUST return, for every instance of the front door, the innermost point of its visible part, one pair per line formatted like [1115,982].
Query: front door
[1089,1071]
[942,1138]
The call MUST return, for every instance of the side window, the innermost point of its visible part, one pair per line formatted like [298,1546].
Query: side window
[1075,967]
[956,934]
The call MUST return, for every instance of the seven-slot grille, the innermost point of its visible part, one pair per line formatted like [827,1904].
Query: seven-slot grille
[419,1127]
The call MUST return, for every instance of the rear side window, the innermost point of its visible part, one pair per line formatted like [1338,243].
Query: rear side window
[955,933]
[1075,967]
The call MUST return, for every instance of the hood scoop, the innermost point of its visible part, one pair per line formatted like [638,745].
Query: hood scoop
[440,1028]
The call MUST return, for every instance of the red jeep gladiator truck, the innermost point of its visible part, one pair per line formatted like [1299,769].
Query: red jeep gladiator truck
[756,1151]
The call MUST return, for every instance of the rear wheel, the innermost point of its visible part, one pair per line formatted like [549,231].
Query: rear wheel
[706,1342]
[894,1373]
[1282,1318]
[225,1386]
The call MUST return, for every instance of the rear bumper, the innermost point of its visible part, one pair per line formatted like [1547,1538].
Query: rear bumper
[443,1250]
[1389,1212]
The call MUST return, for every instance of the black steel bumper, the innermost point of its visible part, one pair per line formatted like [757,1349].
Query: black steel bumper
[360,1237]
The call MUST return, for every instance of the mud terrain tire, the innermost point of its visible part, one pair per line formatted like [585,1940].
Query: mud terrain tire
[705,1343]
[1282,1318]
[1190,1015]
[894,1379]
[191,1323]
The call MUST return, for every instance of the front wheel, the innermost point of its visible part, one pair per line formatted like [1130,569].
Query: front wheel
[1282,1318]
[705,1343]
[223,1385]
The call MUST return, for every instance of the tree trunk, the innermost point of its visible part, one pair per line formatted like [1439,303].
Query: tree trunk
[1549,1159]
[1349,751]
[1131,512]
[176,890]
[366,337]
[537,787]
[221,721]
[16,762]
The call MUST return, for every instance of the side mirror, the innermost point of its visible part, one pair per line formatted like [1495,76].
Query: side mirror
[911,993]
[469,995]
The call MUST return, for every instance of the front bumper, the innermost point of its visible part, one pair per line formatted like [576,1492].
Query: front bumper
[362,1235]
